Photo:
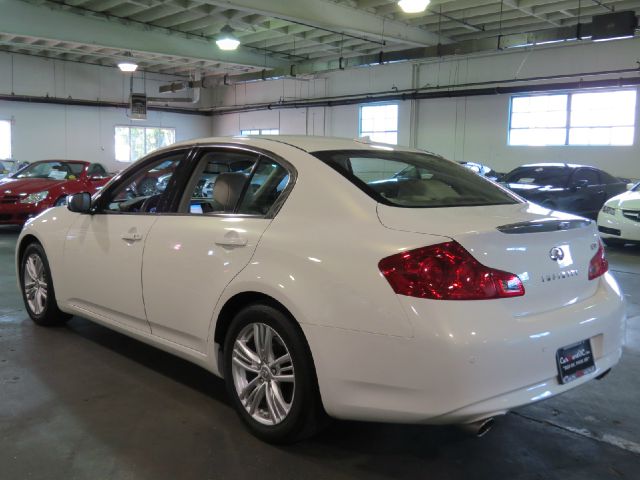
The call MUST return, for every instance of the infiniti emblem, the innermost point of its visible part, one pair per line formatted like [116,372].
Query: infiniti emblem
[556,254]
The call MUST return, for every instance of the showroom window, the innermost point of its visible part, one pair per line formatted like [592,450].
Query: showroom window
[379,122]
[133,143]
[5,139]
[263,131]
[580,118]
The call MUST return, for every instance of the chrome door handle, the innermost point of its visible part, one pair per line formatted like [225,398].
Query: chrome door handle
[131,237]
[232,239]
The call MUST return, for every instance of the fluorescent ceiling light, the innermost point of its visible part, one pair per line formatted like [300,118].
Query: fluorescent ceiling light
[128,66]
[226,39]
[413,6]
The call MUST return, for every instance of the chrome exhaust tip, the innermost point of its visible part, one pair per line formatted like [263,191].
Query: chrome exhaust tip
[479,428]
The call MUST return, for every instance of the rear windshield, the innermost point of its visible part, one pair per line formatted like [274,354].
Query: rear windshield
[553,176]
[414,180]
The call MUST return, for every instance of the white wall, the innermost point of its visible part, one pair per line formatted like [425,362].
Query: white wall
[466,128]
[42,131]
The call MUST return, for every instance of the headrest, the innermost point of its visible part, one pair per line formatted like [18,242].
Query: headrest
[228,188]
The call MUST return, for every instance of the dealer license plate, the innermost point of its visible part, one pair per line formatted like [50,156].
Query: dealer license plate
[575,361]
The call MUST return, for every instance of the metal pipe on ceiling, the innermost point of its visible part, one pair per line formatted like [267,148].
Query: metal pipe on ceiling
[434,93]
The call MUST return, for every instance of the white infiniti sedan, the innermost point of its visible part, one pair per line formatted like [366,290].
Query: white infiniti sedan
[619,218]
[320,281]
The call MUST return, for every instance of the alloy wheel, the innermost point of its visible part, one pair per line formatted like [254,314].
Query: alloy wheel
[263,373]
[35,284]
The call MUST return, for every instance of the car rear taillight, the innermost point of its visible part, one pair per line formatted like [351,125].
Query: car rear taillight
[446,271]
[598,265]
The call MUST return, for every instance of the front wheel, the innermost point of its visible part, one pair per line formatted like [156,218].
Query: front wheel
[37,288]
[270,375]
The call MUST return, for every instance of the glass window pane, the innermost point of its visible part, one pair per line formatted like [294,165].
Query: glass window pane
[266,185]
[132,143]
[123,153]
[141,192]
[603,109]
[137,143]
[537,136]
[520,104]
[622,136]
[5,139]
[379,122]
[579,136]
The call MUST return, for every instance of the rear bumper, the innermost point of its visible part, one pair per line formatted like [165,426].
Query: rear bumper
[467,360]
[18,213]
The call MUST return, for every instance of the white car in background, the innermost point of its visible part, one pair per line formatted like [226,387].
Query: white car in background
[319,281]
[619,218]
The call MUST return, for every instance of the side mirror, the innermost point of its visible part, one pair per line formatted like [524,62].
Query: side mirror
[79,203]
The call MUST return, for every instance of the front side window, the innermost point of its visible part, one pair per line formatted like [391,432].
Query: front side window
[53,170]
[580,118]
[142,191]
[379,123]
[417,180]
[5,139]
[133,143]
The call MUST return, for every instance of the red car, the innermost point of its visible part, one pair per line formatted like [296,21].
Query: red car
[45,184]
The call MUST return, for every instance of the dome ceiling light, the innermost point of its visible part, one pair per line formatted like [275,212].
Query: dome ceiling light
[226,39]
[413,6]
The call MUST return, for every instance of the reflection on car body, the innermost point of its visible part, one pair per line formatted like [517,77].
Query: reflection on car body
[317,280]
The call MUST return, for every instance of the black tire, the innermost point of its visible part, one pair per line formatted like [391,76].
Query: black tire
[613,242]
[306,415]
[46,311]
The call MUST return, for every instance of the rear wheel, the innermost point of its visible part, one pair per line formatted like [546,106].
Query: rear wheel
[270,375]
[37,288]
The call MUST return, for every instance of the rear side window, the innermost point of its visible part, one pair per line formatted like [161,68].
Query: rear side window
[266,185]
[234,183]
[414,180]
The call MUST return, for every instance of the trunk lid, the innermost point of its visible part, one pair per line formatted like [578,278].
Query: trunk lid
[518,238]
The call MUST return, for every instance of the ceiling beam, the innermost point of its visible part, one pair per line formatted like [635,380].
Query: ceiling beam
[20,18]
[337,18]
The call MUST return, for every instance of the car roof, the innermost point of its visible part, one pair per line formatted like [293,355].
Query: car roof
[61,161]
[302,142]
[560,165]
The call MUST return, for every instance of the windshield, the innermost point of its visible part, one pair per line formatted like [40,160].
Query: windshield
[636,187]
[553,176]
[53,170]
[414,180]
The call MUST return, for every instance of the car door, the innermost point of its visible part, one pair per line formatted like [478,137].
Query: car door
[588,192]
[103,251]
[190,257]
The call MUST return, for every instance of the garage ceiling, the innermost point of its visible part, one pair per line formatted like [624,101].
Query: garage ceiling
[177,36]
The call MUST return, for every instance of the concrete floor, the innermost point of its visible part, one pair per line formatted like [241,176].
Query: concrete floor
[83,402]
